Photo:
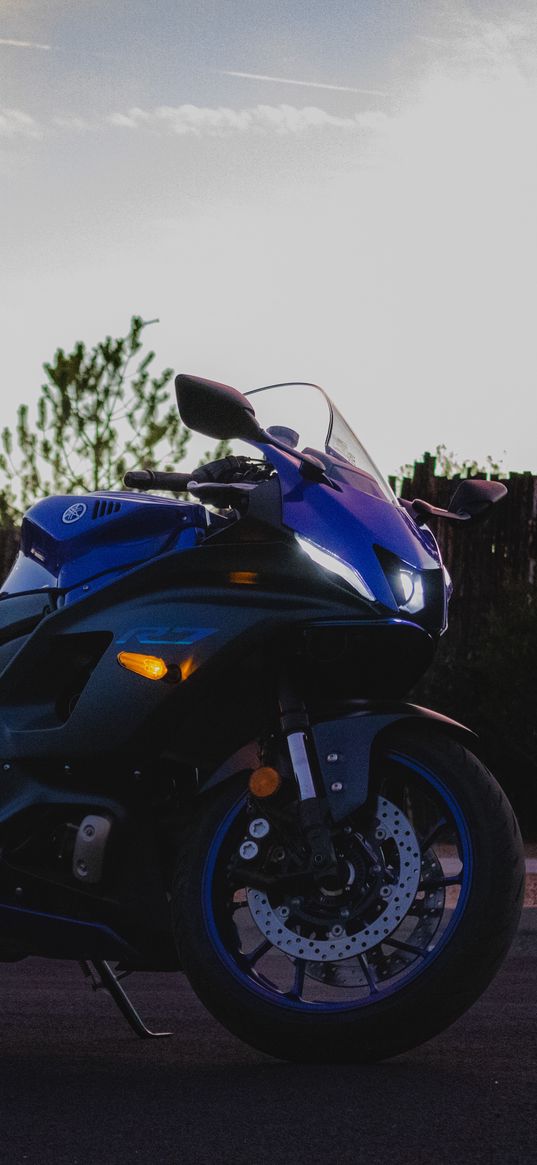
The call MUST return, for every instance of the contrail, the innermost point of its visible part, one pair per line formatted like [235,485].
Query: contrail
[24,44]
[305,84]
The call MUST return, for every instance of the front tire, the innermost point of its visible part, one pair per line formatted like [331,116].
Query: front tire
[432,959]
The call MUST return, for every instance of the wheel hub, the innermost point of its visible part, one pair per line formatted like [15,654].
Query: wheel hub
[339,931]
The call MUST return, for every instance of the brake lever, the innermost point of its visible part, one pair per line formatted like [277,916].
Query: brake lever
[221,493]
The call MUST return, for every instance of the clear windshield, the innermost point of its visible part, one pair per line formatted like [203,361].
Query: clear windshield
[303,416]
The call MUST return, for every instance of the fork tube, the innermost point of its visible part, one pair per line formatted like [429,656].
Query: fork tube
[296,742]
[295,723]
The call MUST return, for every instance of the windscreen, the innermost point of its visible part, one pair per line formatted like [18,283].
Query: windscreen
[303,416]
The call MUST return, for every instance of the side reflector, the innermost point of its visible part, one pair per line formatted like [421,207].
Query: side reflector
[264,782]
[149,666]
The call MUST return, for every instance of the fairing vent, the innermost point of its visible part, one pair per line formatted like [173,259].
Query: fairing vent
[103,507]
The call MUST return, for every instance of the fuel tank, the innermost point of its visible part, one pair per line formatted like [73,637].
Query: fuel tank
[80,543]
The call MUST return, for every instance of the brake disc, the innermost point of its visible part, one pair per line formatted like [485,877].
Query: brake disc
[385,964]
[395,828]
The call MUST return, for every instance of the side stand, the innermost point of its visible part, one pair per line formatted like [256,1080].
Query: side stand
[102,976]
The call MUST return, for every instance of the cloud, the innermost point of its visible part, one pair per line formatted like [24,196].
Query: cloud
[24,44]
[222,121]
[72,122]
[305,84]
[495,45]
[13,123]
[488,48]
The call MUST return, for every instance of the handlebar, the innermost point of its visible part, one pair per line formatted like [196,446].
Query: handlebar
[152,479]
[226,470]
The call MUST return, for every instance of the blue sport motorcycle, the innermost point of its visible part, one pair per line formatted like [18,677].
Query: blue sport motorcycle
[207,760]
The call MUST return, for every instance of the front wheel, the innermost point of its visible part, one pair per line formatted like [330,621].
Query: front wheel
[373,961]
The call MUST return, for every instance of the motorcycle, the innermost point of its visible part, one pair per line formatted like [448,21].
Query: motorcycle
[208,762]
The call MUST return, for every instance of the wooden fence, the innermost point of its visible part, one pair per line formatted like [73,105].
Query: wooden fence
[483,558]
[485,671]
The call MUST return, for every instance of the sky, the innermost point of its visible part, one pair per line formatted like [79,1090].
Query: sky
[344,193]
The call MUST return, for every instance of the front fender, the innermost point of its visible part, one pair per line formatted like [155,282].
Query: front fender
[344,746]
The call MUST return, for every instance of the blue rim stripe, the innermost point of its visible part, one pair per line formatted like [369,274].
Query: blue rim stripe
[282,1000]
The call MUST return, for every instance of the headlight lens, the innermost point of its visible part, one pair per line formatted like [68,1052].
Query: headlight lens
[411,583]
[335,565]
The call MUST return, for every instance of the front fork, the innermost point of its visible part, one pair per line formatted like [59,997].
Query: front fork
[294,723]
[296,743]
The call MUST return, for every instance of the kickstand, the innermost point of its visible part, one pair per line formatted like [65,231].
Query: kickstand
[101,975]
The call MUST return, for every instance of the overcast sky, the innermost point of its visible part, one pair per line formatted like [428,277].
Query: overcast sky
[342,191]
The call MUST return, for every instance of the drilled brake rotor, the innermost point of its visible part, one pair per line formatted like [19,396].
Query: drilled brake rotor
[326,947]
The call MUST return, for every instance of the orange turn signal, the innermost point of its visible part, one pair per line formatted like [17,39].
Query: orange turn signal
[149,666]
[264,782]
[246,578]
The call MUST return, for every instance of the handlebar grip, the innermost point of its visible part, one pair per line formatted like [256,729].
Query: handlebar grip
[152,479]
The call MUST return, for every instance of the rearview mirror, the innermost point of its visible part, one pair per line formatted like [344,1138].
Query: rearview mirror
[216,410]
[473,498]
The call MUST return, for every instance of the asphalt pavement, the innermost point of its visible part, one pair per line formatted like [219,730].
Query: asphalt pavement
[78,1087]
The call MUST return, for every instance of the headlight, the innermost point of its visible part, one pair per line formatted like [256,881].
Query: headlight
[335,565]
[411,583]
[419,592]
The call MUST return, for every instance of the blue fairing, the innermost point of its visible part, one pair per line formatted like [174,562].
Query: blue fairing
[88,540]
[79,544]
[350,523]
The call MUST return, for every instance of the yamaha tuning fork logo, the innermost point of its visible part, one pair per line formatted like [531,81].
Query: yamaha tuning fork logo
[74,513]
